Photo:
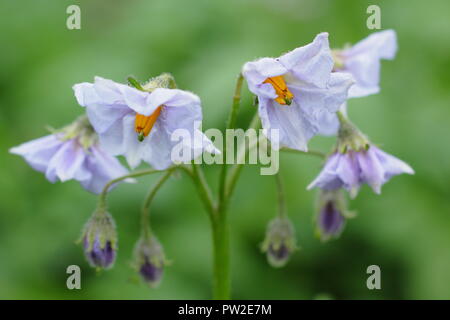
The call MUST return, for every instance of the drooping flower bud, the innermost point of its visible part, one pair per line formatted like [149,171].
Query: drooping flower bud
[279,242]
[149,260]
[100,240]
[331,214]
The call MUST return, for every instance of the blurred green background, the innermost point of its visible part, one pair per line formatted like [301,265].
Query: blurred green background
[204,44]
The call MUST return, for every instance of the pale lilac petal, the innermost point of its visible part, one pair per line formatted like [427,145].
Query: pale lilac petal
[159,150]
[366,72]
[38,153]
[363,61]
[372,171]
[112,140]
[348,171]
[311,63]
[133,148]
[102,117]
[67,162]
[328,122]
[85,94]
[103,101]
[188,117]
[295,129]
[392,166]
[171,98]
[256,72]
[328,178]
[382,43]
[315,100]
[104,168]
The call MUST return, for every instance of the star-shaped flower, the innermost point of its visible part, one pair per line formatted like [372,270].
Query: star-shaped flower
[295,89]
[140,124]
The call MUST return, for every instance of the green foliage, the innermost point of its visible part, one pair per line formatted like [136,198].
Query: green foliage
[204,44]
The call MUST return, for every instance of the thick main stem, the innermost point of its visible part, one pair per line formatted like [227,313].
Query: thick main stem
[219,221]
[221,256]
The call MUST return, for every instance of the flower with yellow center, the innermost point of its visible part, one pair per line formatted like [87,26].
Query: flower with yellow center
[284,95]
[140,124]
[144,124]
[295,89]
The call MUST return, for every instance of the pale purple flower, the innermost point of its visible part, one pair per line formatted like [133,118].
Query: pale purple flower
[66,159]
[352,169]
[115,111]
[295,89]
[362,61]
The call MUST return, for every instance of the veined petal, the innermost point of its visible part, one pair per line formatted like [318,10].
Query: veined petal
[315,100]
[372,171]
[67,162]
[112,140]
[295,128]
[328,178]
[311,63]
[348,171]
[392,166]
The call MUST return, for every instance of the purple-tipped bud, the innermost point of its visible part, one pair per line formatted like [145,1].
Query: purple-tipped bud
[100,240]
[279,242]
[150,260]
[98,256]
[331,215]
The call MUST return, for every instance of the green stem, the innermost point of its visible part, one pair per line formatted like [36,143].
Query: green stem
[219,221]
[221,256]
[230,125]
[140,173]
[145,213]
[203,189]
[242,151]
[281,200]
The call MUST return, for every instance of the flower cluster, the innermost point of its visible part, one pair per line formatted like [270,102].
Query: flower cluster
[301,94]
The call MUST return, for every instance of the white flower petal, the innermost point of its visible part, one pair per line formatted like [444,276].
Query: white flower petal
[295,128]
[311,63]
[38,153]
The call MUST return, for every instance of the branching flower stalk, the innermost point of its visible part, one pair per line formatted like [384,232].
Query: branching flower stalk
[300,94]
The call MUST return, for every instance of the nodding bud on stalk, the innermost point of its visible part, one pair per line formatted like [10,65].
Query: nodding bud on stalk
[279,242]
[149,260]
[331,214]
[100,240]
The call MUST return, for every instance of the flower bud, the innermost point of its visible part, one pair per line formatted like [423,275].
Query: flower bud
[331,214]
[279,242]
[100,240]
[149,260]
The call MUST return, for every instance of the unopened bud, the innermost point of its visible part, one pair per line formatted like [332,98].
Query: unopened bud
[149,260]
[331,214]
[279,242]
[100,240]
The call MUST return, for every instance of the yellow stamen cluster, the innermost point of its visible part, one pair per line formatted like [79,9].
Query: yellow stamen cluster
[284,95]
[144,124]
